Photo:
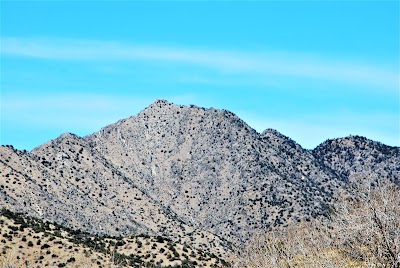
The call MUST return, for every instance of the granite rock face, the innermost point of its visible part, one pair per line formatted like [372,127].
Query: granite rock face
[199,175]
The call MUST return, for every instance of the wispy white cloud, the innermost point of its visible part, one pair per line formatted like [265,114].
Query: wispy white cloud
[76,111]
[268,63]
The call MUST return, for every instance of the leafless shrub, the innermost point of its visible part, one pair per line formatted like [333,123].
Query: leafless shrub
[368,227]
[304,245]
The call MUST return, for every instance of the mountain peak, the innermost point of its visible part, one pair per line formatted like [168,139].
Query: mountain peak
[65,138]
[271,131]
[355,141]
[68,135]
[159,103]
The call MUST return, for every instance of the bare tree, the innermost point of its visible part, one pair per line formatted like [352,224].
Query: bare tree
[368,226]
[302,245]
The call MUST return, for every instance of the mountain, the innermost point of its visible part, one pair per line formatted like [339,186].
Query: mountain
[199,176]
[216,172]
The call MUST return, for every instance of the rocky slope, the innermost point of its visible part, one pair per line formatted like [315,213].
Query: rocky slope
[357,158]
[202,176]
[64,181]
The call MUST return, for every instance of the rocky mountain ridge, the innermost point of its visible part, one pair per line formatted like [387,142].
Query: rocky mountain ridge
[357,158]
[184,172]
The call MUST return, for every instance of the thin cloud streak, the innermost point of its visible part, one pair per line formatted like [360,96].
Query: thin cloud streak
[229,62]
[75,110]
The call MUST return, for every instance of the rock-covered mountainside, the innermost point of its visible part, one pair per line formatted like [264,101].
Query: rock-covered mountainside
[216,172]
[202,176]
[357,158]
[66,182]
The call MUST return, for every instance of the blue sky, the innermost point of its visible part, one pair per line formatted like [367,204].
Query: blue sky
[312,70]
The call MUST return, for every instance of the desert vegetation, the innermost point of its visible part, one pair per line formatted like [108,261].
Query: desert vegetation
[360,232]
[31,242]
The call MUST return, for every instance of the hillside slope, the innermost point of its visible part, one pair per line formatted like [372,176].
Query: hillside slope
[30,242]
[64,181]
